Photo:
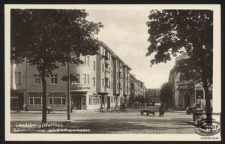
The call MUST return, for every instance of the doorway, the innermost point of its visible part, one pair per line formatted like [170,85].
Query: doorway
[79,102]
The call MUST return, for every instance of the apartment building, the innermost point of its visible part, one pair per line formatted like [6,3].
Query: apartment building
[102,80]
[137,91]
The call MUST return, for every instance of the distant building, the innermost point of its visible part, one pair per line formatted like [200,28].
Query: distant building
[137,91]
[152,95]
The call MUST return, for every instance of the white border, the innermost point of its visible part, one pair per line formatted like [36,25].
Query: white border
[115,137]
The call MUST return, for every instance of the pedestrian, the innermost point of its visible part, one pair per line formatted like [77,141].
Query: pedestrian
[71,108]
[26,109]
[161,110]
[48,108]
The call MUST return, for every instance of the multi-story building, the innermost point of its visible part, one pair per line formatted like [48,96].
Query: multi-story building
[99,81]
[185,91]
[137,91]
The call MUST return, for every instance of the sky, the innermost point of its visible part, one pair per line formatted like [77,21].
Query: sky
[126,33]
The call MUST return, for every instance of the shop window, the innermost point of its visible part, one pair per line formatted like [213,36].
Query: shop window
[90,101]
[54,79]
[37,79]
[98,100]
[18,78]
[57,100]
[35,100]
[94,100]
[111,99]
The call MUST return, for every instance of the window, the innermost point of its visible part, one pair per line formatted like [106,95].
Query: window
[103,52]
[90,101]
[94,100]
[102,67]
[54,79]
[88,60]
[37,79]
[77,81]
[103,82]
[18,78]
[111,99]
[35,100]
[94,81]
[98,100]
[57,100]
[83,78]
[87,78]
[93,65]
[112,85]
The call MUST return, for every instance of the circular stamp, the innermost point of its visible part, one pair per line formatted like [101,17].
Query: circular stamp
[208,127]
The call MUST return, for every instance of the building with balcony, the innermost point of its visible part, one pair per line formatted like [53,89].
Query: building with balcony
[102,80]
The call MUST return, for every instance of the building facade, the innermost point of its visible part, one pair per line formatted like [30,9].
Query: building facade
[185,91]
[152,95]
[102,80]
[137,92]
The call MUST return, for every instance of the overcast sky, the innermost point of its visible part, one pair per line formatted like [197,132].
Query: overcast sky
[126,33]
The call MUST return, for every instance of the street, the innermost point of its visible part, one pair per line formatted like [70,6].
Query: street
[115,123]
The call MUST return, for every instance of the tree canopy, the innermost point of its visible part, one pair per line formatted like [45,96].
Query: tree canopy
[166,93]
[189,32]
[49,37]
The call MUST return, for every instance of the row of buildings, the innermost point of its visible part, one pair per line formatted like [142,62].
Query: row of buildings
[185,91]
[102,79]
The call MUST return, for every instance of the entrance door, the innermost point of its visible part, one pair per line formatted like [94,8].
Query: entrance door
[186,101]
[108,102]
[77,103]
[83,103]
[17,101]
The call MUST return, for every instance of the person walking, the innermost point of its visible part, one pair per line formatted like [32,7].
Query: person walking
[161,110]
[26,109]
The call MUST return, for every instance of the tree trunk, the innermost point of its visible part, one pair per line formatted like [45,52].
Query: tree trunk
[207,98]
[44,100]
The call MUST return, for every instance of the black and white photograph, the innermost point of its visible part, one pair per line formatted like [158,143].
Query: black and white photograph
[113,72]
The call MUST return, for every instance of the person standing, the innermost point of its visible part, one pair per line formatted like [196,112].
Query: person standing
[26,109]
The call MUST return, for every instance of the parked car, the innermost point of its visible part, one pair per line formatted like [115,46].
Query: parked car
[191,109]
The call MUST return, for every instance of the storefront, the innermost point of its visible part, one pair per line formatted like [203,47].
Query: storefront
[17,100]
[57,100]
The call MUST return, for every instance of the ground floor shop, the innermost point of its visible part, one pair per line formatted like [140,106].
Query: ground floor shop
[57,100]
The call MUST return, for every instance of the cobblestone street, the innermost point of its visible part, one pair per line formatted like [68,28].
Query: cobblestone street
[116,123]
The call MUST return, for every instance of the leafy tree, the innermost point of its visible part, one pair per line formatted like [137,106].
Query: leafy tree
[48,37]
[186,31]
[166,93]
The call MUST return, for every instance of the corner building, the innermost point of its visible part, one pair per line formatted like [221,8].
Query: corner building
[102,79]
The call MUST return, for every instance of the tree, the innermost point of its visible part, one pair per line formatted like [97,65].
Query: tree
[46,38]
[166,93]
[189,32]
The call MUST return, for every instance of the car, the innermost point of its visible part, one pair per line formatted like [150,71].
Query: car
[191,109]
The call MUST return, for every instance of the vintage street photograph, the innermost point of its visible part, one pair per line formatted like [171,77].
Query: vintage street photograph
[112,72]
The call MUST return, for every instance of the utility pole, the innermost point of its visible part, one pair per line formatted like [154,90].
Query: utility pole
[68,91]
